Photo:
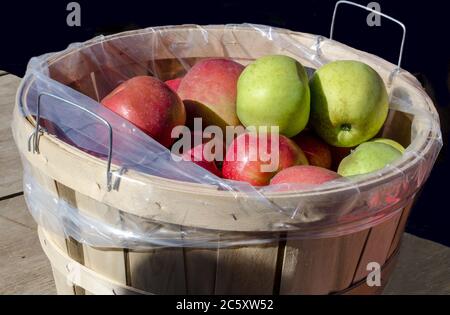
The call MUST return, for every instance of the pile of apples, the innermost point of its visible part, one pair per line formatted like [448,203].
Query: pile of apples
[327,124]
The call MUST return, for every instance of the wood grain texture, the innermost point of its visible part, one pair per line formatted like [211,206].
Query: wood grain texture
[49,185]
[108,262]
[11,178]
[246,270]
[377,246]
[400,228]
[74,248]
[158,271]
[321,266]
[63,287]
[24,268]
[15,211]
[362,288]
[200,267]
[423,268]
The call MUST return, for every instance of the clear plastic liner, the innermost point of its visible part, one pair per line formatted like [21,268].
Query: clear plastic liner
[84,73]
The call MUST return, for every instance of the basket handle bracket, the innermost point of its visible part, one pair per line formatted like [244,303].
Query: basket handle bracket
[33,140]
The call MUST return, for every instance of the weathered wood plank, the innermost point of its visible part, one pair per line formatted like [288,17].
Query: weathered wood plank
[377,246]
[401,227]
[247,269]
[15,210]
[422,268]
[321,266]
[24,268]
[158,271]
[200,266]
[11,170]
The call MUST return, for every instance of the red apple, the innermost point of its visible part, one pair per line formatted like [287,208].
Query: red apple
[209,92]
[202,156]
[304,174]
[249,153]
[174,84]
[150,105]
[316,150]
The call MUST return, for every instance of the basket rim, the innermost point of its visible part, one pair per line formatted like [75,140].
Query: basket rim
[407,162]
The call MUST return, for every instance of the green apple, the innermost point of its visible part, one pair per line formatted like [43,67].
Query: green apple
[368,157]
[274,91]
[391,142]
[349,102]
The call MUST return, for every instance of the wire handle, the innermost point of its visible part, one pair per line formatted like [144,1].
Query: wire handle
[376,12]
[34,137]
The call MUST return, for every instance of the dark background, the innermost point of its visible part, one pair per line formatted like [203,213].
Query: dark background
[29,29]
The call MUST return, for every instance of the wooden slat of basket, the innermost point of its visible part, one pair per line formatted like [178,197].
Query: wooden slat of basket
[400,228]
[49,185]
[321,266]
[361,288]
[75,274]
[249,269]
[200,267]
[74,248]
[65,245]
[108,262]
[63,287]
[158,271]
[377,246]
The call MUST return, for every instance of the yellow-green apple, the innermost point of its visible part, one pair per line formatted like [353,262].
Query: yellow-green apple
[368,157]
[208,91]
[256,158]
[274,91]
[150,105]
[304,174]
[174,84]
[203,156]
[391,142]
[349,102]
[317,151]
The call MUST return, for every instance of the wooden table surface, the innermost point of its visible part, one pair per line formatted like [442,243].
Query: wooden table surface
[423,266]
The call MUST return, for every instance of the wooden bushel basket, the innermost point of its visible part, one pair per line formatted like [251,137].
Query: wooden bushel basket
[335,263]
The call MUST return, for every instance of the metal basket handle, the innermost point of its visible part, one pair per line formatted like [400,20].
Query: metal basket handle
[376,12]
[34,137]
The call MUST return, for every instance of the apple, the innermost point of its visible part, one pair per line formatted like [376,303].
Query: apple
[274,91]
[150,105]
[174,84]
[349,103]
[317,151]
[202,156]
[391,142]
[249,153]
[208,91]
[368,157]
[304,174]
